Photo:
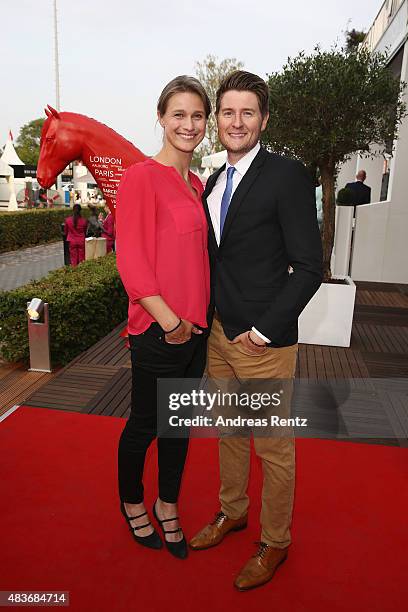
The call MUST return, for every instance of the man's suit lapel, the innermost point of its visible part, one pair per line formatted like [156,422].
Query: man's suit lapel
[212,179]
[242,190]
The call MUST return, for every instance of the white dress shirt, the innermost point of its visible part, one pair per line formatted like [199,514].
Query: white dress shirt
[215,197]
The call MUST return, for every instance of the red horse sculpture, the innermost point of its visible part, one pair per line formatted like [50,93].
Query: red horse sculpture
[67,137]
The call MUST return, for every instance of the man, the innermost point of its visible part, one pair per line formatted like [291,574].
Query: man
[262,217]
[361,193]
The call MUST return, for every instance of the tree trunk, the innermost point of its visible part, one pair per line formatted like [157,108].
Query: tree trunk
[327,173]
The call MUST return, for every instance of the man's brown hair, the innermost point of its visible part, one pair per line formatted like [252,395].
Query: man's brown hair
[240,80]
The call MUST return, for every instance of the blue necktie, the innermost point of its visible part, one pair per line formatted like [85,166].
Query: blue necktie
[226,198]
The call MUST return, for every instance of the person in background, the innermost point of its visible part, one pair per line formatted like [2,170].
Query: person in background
[108,230]
[94,227]
[75,232]
[361,193]
[42,196]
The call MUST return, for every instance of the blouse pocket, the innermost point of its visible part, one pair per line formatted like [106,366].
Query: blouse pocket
[186,219]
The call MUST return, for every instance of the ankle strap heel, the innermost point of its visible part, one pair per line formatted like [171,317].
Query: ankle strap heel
[152,540]
[177,549]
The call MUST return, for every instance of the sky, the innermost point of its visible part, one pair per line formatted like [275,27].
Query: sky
[116,56]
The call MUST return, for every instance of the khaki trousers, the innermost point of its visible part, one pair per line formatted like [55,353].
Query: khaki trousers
[227,361]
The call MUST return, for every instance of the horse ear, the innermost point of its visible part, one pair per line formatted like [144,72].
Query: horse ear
[47,112]
[54,112]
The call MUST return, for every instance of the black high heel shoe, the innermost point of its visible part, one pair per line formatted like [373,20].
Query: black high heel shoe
[153,540]
[177,549]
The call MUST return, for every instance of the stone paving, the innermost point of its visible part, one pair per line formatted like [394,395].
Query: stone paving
[18,268]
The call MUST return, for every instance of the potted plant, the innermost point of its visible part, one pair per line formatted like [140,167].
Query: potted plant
[325,107]
[345,197]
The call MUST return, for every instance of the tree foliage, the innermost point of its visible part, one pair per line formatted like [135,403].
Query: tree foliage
[210,72]
[28,142]
[328,105]
[353,39]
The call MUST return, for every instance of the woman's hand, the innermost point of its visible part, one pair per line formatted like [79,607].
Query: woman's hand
[168,320]
[182,334]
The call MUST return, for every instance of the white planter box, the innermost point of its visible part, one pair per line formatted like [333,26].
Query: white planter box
[95,247]
[328,317]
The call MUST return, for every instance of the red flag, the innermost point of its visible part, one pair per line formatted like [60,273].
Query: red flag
[11,135]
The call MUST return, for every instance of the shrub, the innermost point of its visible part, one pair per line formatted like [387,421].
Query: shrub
[345,197]
[85,304]
[32,227]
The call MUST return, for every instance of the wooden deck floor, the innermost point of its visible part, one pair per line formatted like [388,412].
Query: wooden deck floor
[17,384]
[99,380]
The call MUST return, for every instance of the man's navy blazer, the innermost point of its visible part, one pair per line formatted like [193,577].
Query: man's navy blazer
[270,225]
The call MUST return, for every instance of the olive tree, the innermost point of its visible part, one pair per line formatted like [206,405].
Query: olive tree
[28,141]
[328,105]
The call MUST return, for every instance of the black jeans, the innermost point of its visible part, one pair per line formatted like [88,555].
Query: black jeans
[153,358]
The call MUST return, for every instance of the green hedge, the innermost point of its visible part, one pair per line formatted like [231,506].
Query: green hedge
[27,228]
[345,197]
[85,304]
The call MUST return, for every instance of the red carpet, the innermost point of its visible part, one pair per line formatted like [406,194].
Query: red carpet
[62,530]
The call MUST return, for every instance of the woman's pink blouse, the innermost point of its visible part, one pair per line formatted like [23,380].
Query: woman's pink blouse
[161,243]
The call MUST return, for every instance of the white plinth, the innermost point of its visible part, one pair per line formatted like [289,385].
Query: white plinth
[328,317]
[95,247]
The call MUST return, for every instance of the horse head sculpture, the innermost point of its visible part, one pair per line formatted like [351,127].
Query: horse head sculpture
[58,148]
[68,137]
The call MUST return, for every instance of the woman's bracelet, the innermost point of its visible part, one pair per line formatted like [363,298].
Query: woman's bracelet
[254,343]
[174,329]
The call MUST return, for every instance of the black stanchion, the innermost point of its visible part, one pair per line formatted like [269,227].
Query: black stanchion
[67,259]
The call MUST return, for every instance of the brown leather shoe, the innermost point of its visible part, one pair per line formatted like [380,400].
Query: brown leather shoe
[215,532]
[261,567]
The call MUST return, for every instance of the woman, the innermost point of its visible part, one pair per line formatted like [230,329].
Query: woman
[94,227]
[162,258]
[75,232]
[108,229]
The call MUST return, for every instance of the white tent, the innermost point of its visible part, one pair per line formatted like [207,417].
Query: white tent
[10,156]
[9,159]
[5,169]
[214,161]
